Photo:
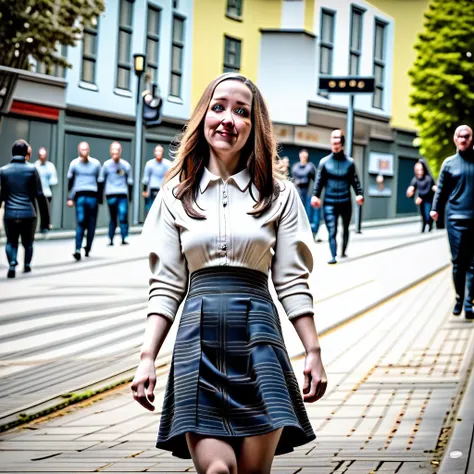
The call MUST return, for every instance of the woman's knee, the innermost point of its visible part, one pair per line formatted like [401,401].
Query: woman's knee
[221,467]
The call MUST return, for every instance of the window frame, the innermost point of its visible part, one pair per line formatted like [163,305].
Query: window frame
[379,62]
[353,52]
[129,30]
[94,31]
[227,67]
[325,45]
[239,8]
[153,64]
[53,70]
[181,45]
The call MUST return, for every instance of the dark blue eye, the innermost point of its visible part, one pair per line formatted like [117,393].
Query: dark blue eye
[217,108]
[242,111]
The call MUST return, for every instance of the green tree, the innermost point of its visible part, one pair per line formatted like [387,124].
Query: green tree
[36,29]
[443,77]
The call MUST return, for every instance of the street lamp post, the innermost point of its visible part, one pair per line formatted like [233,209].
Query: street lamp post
[139,66]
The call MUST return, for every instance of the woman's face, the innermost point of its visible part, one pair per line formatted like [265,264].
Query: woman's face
[419,170]
[227,124]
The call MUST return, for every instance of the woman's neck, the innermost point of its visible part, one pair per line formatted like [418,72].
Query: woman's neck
[224,166]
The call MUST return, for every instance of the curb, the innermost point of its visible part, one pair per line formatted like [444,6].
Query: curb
[69,234]
[99,386]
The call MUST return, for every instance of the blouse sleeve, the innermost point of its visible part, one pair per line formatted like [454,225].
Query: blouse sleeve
[169,273]
[293,259]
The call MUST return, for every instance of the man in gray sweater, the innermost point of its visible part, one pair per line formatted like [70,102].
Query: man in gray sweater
[84,194]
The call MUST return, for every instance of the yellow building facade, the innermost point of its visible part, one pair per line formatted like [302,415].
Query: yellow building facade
[212,24]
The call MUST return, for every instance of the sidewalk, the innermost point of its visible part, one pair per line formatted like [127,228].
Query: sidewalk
[380,265]
[394,374]
[136,229]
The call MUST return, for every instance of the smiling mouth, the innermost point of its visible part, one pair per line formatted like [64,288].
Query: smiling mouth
[227,134]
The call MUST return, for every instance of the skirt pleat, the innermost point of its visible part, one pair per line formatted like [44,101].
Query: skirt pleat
[230,375]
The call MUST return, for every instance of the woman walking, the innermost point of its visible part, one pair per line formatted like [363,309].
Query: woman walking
[223,219]
[424,184]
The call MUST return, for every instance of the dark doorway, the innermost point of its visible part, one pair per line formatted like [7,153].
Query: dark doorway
[405,175]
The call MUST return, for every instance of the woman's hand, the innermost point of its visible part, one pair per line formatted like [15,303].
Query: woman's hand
[143,384]
[315,378]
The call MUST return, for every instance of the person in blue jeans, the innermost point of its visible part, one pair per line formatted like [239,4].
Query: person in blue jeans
[116,177]
[455,193]
[85,194]
[424,185]
[337,174]
[154,175]
[20,190]
[304,175]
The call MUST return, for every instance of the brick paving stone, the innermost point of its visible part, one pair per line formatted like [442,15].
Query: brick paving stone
[380,411]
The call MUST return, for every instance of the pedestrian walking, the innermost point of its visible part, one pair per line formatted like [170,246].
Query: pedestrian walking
[221,221]
[20,187]
[304,175]
[336,174]
[456,192]
[48,175]
[85,195]
[117,180]
[424,185]
[153,176]
[284,166]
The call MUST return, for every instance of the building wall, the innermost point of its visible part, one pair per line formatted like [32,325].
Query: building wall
[301,71]
[104,96]
[408,16]
[287,97]
[211,25]
[363,102]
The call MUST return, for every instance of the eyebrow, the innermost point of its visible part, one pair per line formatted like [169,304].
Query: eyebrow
[226,99]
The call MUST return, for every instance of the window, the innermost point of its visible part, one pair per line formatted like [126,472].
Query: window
[89,54]
[234,8]
[379,63]
[177,50]
[355,41]
[232,49]
[124,56]
[58,71]
[175,4]
[153,41]
[326,44]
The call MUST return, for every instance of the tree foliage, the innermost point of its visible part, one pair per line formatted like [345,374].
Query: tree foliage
[443,77]
[36,29]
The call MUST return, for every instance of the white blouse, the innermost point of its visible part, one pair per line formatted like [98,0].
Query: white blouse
[280,239]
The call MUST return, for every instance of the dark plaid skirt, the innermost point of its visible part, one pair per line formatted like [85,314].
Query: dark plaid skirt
[230,376]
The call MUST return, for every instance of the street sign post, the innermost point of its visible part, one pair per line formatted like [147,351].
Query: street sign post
[349,85]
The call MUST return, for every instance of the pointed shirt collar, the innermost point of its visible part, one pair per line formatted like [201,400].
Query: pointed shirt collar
[241,179]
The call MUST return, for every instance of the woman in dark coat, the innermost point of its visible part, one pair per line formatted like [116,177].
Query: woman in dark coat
[425,187]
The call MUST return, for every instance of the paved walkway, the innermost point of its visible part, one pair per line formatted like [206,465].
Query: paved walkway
[72,325]
[395,379]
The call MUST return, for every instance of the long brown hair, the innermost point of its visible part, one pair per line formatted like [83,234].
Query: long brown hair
[259,151]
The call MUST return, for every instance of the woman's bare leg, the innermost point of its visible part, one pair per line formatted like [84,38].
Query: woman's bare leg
[211,455]
[256,453]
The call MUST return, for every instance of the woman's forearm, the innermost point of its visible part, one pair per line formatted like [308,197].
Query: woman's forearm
[157,328]
[306,330]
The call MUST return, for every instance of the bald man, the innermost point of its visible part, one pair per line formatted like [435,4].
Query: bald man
[456,192]
[116,174]
[48,174]
[86,195]
[154,175]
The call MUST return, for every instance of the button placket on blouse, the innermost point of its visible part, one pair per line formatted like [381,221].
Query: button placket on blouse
[223,242]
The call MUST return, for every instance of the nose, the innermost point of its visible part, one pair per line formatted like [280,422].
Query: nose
[228,119]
